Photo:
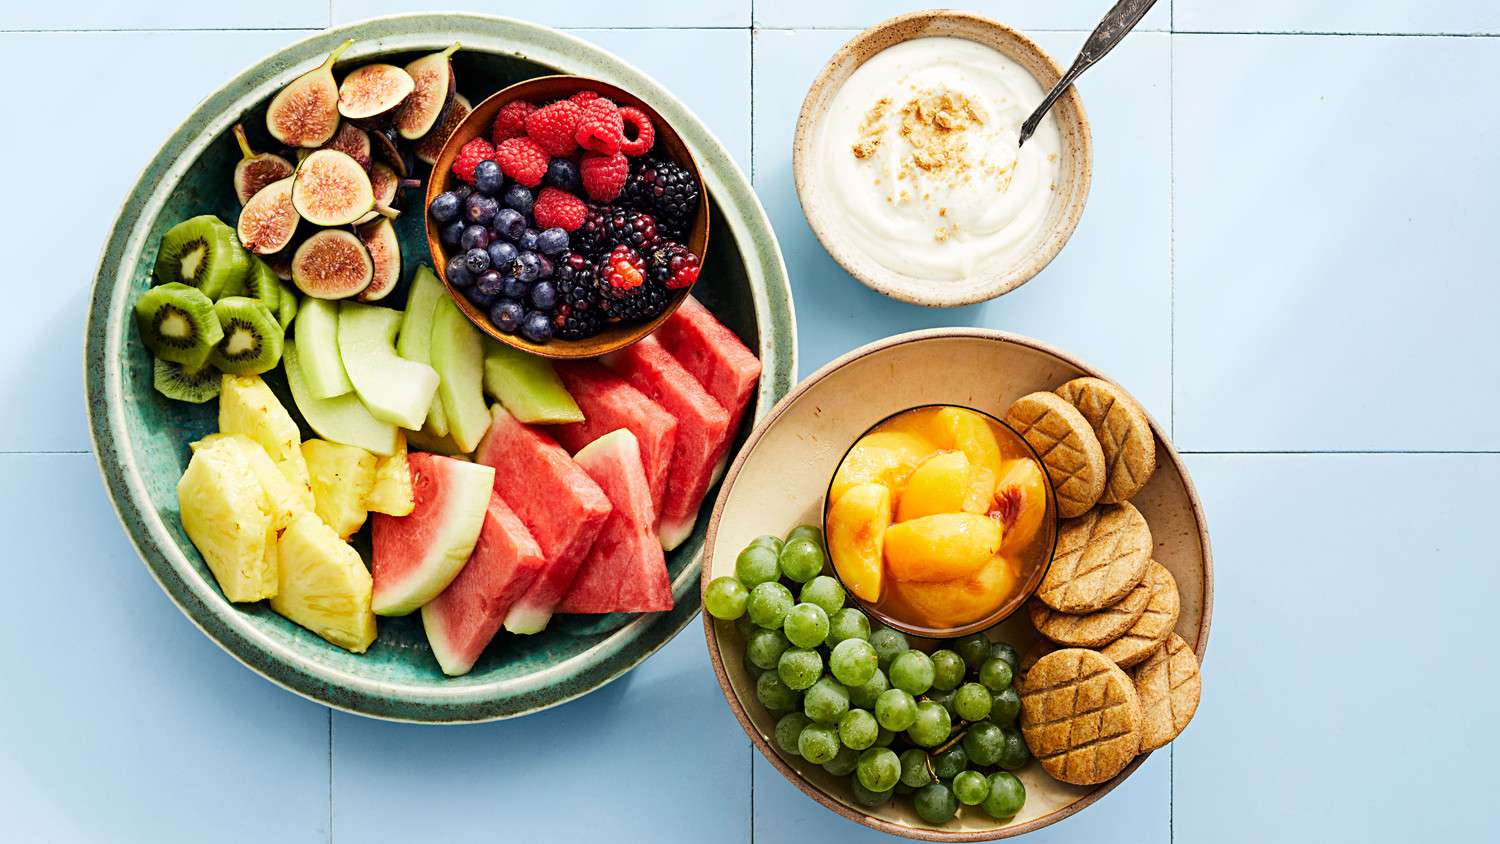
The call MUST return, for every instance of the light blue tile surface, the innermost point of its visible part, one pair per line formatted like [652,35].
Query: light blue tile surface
[1023,14]
[1349,681]
[119,721]
[1399,16]
[573,13]
[1336,254]
[164,14]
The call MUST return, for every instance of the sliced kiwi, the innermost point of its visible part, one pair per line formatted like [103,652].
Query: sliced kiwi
[305,113]
[380,239]
[202,252]
[269,219]
[178,323]
[431,144]
[185,383]
[372,94]
[252,336]
[435,87]
[260,283]
[332,264]
[331,189]
[286,306]
[255,170]
[352,141]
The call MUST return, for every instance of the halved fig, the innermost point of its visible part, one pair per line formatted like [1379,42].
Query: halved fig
[385,183]
[380,240]
[383,142]
[372,94]
[352,141]
[331,189]
[269,219]
[255,170]
[332,264]
[435,86]
[431,144]
[306,112]
[281,262]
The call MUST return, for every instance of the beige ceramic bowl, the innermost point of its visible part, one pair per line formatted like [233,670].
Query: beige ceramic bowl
[779,480]
[1072,187]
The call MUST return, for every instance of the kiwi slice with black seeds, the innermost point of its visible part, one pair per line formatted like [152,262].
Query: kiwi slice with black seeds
[202,252]
[183,383]
[178,323]
[286,307]
[252,337]
[260,283]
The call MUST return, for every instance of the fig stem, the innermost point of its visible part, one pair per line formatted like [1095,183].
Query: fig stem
[386,211]
[244,142]
[337,51]
[451,50]
[409,183]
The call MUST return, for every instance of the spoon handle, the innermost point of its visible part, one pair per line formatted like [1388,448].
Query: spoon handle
[1116,24]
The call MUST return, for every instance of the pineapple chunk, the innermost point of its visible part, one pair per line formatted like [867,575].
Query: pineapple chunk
[393,494]
[247,406]
[283,503]
[342,477]
[324,585]
[228,516]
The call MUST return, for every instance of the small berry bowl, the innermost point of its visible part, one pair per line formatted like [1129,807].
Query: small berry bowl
[478,124]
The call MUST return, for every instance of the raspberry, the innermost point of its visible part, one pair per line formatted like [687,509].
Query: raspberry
[521,159]
[645,133]
[674,266]
[601,129]
[553,127]
[559,208]
[469,156]
[584,96]
[511,121]
[603,175]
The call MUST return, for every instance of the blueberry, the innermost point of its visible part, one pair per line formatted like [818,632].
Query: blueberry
[527,241]
[501,253]
[519,198]
[562,173]
[514,288]
[507,314]
[477,260]
[444,207]
[474,236]
[544,295]
[545,267]
[510,223]
[458,273]
[462,191]
[488,178]
[552,241]
[480,300]
[451,232]
[536,327]
[480,208]
[527,267]
[490,282]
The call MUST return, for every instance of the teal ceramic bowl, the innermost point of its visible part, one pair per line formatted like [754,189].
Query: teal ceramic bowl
[141,438]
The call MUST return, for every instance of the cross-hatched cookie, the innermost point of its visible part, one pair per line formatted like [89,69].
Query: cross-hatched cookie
[1123,431]
[1090,630]
[1080,716]
[1040,648]
[1168,686]
[1154,625]
[1067,445]
[1100,556]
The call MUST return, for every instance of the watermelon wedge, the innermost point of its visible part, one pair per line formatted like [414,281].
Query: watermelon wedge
[557,501]
[462,620]
[715,356]
[625,570]
[609,402]
[414,557]
[702,431]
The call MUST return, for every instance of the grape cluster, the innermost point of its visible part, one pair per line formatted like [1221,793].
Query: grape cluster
[862,702]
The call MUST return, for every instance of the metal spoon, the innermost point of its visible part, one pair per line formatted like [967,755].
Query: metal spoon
[1120,20]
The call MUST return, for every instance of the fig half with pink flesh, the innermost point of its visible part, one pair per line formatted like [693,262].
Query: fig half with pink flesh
[331,189]
[431,144]
[380,240]
[332,264]
[255,170]
[305,113]
[435,87]
[372,94]
[354,142]
[269,219]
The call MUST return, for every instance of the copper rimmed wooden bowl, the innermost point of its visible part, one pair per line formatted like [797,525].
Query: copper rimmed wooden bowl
[545,89]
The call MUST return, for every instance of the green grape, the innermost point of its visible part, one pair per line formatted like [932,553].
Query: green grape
[984,743]
[865,696]
[826,702]
[858,730]
[972,702]
[884,737]
[867,798]
[788,729]
[818,743]
[971,787]
[843,762]
[801,560]
[750,667]
[932,725]
[847,623]
[879,769]
[1014,754]
[946,700]
[799,668]
[774,694]
[995,674]
[1007,796]
[768,541]
[825,592]
[744,625]
[725,598]
[914,773]
[887,644]
[948,669]
[853,662]
[912,671]
[935,803]
[974,648]
[1004,706]
[806,625]
[755,565]
[812,533]
[896,710]
[1004,650]
[764,647]
[902,789]
[948,763]
[768,604]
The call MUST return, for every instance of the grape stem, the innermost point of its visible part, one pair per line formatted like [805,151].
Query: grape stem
[948,745]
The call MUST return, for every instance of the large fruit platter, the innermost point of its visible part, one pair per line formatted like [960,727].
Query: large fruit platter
[325,460]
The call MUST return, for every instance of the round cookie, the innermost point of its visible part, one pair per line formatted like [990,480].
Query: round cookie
[1067,446]
[1099,558]
[1154,625]
[1033,655]
[1080,715]
[1123,431]
[1091,630]
[1168,686]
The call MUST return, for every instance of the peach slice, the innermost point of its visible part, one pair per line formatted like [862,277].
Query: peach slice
[857,524]
[980,495]
[1020,502]
[886,457]
[940,484]
[950,603]
[944,546]
[971,433]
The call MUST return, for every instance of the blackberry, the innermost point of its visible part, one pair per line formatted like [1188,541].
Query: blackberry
[606,227]
[673,265]
[627,293]
[666,190]
[589,239]
[577,314]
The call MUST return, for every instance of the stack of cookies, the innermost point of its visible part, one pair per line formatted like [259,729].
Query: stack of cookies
[1109,679]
